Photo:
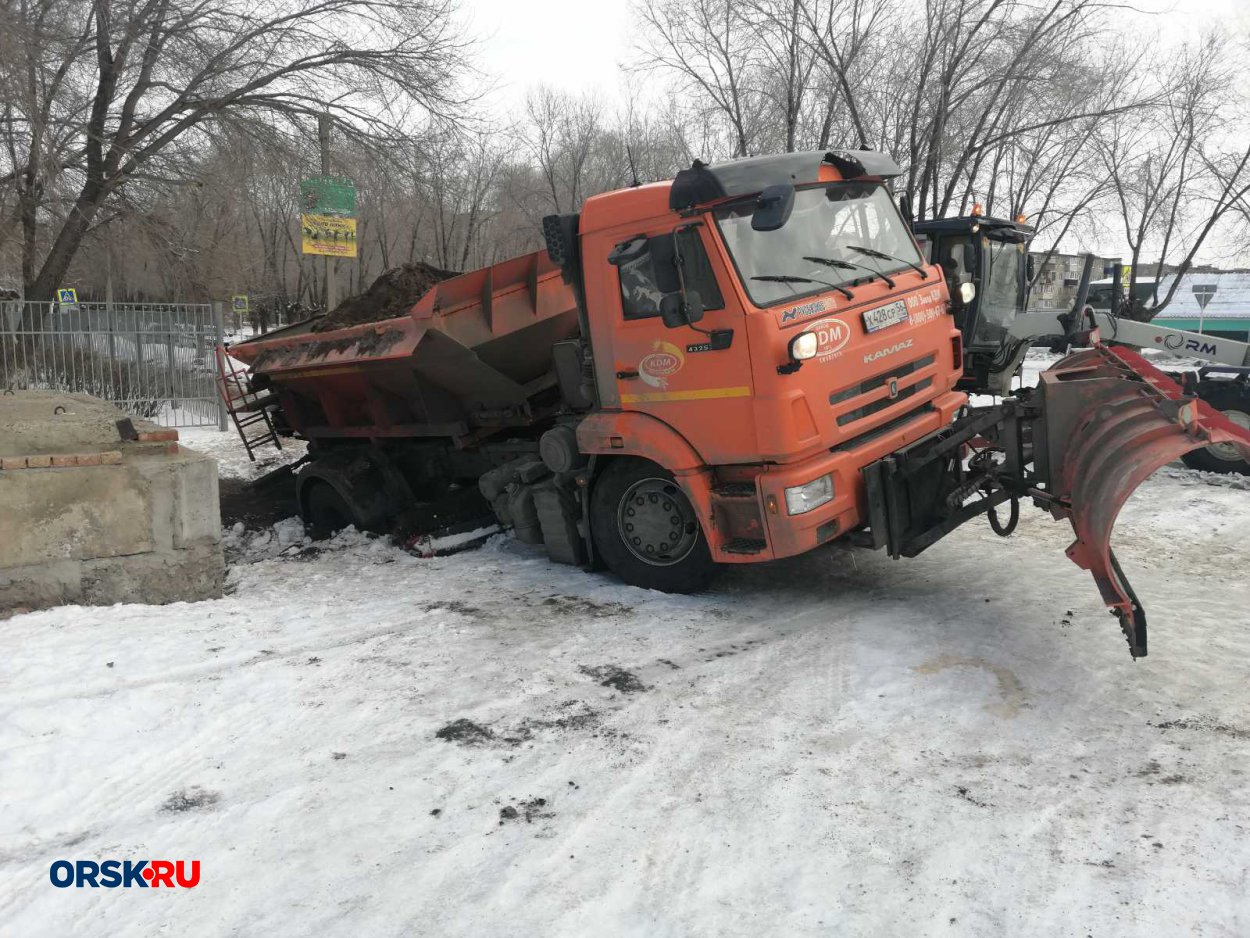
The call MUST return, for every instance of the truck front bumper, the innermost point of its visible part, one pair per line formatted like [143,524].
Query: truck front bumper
[789,534]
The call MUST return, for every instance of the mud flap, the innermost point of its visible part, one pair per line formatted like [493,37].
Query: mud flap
[1110,419]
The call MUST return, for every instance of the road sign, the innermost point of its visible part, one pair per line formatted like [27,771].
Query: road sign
[1126,276]
[239,303]
[67,296]
[1203,293]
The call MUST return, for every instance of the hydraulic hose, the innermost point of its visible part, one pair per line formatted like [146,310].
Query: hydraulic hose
[1013,518]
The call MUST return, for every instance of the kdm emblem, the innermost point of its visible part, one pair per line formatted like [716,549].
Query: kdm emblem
[663,360]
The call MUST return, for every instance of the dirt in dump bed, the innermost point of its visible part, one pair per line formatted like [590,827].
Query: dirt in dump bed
[391,295]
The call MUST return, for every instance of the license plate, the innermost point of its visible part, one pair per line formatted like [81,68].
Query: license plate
[885,316]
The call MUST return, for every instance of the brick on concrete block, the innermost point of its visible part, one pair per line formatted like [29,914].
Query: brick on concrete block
[12,462]
[61,460]
[112,458]
[38,462]
[158,436]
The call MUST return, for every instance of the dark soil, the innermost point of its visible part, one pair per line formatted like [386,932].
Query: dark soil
[460,509]
[525,809]
[578,606]
[391,295]
[190,799]
[609,675]
[465,732]
[256,508]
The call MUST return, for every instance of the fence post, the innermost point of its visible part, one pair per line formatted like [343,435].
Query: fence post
[219,325]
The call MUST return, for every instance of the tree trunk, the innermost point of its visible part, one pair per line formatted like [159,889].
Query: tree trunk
[67,242]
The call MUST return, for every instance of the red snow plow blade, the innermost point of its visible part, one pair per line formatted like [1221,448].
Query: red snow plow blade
[1111,420]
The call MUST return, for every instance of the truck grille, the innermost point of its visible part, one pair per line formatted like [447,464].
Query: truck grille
[877,381]
[877,432]
[859,413]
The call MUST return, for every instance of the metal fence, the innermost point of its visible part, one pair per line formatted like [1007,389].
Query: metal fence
[154,360]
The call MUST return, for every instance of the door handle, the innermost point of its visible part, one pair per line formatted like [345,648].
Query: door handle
[626,375]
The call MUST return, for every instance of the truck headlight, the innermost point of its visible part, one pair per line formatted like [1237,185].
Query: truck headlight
[803,498]
[803,346]
[967,292]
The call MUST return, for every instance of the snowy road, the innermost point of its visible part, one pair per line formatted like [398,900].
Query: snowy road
[837,744]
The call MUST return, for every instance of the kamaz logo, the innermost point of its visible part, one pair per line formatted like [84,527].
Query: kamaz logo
[1180,343]
[889,350]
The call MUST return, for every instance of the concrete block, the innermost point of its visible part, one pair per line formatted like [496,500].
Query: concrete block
[197,502]
[73,514]
[91,519]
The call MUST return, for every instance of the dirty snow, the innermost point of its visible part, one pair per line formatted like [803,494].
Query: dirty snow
[360,741]
[232,459]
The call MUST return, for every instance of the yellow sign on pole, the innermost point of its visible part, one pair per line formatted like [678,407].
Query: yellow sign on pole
[1126,277]
[239,303]
[67,296]
[331,235]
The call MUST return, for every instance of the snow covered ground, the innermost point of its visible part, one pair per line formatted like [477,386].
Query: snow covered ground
[357,741]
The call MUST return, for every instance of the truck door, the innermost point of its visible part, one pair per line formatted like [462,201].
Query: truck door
[696,377]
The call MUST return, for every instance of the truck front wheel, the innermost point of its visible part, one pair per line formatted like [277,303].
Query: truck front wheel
[646,530]
[1232,398]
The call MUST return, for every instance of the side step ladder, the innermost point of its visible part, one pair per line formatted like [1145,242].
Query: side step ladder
[247,409]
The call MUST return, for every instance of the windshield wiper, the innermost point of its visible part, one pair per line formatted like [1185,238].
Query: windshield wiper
[790,279]
[881,255]
[847,265]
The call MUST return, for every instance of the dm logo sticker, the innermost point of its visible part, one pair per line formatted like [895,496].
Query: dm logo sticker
[664,360]
[831,337]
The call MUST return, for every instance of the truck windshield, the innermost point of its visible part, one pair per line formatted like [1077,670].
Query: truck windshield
[828,223]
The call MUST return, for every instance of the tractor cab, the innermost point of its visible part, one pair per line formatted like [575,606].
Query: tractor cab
[986,263]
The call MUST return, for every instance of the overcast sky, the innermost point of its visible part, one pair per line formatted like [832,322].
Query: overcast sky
[581,45]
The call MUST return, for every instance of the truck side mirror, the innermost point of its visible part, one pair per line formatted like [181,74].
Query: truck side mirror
[772,208]
[1030,269]
[677,310]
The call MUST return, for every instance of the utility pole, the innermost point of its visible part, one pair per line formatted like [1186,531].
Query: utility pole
[331,281]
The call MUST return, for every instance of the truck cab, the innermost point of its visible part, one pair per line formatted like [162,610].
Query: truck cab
[761,329]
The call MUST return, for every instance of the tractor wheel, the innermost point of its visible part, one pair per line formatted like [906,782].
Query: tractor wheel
[325,511]
[646,530]
[1232,398]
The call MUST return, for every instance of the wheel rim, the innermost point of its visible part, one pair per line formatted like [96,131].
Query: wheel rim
[1228,451]
[657,522]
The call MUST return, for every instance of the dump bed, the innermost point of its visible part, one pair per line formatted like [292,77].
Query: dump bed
[475,351]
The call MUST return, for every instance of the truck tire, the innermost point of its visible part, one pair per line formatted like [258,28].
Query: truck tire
[646,530]
[1232,398]
[325,511]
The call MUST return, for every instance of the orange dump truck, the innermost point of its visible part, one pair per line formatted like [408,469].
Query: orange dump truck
[737,365]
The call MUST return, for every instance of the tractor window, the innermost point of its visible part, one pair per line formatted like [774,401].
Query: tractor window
[1001,290]
[641,290]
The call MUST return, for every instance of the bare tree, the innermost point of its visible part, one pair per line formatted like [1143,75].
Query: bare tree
[712,49]
[121,90]
[1171,183]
